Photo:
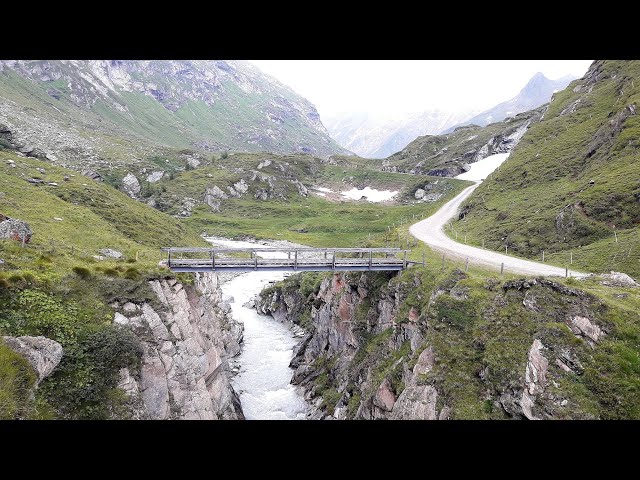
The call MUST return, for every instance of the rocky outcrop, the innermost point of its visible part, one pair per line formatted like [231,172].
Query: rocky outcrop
[42,353]
[213,196]
[535,378]
[380,346]
[187,338]
[14,229]
[131,186]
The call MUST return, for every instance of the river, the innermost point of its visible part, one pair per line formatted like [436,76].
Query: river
[264,380]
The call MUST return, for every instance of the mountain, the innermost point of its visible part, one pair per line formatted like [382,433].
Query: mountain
[110,113]
[571,187]
[449,154]
[376,137]
[536,92]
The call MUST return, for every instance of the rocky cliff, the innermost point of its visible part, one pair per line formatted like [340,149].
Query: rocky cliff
[425,345]
[187,338]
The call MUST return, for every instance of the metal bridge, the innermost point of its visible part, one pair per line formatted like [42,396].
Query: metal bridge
[181,259]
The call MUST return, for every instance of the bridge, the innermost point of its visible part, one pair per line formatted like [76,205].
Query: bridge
[199,259]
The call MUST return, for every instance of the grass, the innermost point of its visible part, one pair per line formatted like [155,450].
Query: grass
[17,378]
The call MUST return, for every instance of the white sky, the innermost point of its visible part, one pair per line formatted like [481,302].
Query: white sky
[385,87]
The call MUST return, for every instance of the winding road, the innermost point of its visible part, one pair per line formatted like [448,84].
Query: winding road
[431,232]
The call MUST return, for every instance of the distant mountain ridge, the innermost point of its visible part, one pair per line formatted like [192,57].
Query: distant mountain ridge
[536,92]
[98,110]
[373,137]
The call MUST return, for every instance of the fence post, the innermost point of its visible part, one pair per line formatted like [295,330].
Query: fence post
[571,253]
[615,235]
[423,264]
[506,250]
[566,271]
[501,268]
[443,262]
[295,260]
[543,256]
[466,266]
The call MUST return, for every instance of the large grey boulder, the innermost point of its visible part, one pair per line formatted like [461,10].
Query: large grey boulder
[14,229]
[130,185]
[42,353]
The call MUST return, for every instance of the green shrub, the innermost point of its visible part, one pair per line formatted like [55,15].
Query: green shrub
[84,384]
[131,273]
[32,312]
[82,272]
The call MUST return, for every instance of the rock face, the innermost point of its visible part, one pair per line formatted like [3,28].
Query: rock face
[43,354]
[15,229]
[335,335]
[130,185]
[535,378]
[379,346]
[187,340]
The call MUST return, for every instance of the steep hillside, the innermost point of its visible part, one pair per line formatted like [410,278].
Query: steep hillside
[376,137]
[536,92]
[447,155]
[573,180]
[111,112]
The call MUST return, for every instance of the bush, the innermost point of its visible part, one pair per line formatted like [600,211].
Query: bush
[131,273]
[32,312]
[82,272]
[84,384]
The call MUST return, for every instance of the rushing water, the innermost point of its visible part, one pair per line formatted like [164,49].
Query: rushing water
[263,382]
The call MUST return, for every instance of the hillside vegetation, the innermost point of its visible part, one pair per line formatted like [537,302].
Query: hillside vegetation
[573,179]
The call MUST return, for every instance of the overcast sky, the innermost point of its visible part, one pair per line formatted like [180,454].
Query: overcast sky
[391,87]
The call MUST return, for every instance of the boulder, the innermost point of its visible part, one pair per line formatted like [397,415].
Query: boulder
[108,252]
[92,175]
[15,229]
[618,279]
[241,186]
[419,194]
[42,353]
[155,176]
[130,185]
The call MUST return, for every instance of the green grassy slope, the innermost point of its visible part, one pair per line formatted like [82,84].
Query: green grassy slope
[54,286]
[246,111]
[572,180]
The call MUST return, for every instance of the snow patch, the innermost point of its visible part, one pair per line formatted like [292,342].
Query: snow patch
[371,194]
[483,168]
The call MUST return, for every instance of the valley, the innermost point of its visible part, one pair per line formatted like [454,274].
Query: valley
[116,160]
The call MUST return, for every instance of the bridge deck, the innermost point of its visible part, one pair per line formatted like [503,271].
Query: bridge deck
[292,259]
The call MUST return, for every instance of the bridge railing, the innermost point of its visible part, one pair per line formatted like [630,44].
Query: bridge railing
[300,258]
